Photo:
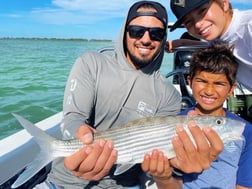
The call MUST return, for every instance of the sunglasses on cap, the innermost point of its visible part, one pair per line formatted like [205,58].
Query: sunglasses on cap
[137,32]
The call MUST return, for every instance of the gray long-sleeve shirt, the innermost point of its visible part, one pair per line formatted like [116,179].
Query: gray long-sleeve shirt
[105,91]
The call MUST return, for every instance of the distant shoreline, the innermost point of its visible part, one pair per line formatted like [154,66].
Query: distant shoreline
[66,39]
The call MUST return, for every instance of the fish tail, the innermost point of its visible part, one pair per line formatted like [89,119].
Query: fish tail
[45,155]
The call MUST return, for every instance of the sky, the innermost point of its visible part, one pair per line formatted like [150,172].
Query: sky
[89,19]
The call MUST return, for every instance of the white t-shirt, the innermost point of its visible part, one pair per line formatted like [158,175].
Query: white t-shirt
[239,33]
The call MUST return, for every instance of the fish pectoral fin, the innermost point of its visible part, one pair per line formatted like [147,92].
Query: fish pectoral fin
[121,168]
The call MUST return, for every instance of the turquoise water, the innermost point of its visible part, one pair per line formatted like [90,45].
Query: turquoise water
[33,74]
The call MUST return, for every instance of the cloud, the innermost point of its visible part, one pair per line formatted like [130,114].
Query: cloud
[62,12]
[87,5]
[241,2]
[81,11]
[84,11]
[13,15]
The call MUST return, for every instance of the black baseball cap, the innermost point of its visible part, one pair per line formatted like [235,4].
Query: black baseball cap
[181,8]
[160,13]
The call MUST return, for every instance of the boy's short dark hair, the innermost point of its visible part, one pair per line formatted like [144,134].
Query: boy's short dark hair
[217,58]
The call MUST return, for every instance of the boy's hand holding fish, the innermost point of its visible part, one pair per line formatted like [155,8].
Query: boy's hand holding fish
[195,159]
[92,162]
[157,165]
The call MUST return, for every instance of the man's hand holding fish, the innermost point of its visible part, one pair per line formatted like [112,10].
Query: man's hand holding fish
[100,156]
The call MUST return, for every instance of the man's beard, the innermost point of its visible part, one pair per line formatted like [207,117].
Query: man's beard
[139,63]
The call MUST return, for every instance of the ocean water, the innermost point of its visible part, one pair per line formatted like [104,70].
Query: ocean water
[33,73]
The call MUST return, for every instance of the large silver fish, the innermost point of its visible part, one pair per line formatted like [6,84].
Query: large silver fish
[131,140]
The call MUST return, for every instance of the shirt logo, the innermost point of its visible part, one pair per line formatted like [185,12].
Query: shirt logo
[232,147]
[73,84]
[180,3]
[145,109]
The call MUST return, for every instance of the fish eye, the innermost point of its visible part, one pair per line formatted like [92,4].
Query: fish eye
[219,121]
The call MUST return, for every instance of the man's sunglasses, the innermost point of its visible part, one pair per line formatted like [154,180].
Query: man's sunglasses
[137,32]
